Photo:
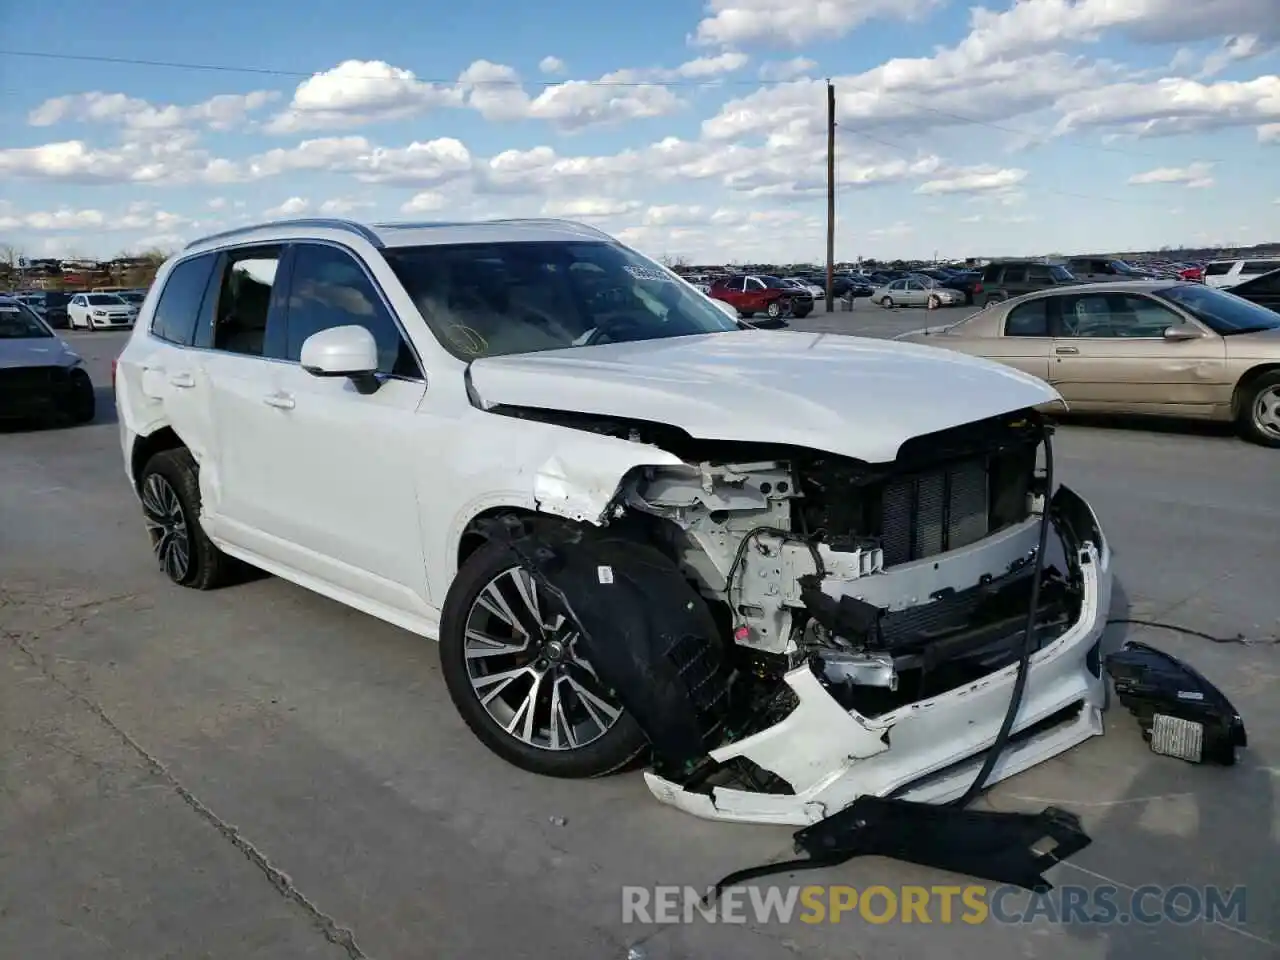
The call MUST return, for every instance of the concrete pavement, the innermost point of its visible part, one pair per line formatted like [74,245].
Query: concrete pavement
[260,772]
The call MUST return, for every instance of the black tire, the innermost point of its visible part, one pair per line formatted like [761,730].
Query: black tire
[612,751]
[801,313]
[886,302]
[80,405]
[206,566]
[615,749]
[1263,390]
[934,303]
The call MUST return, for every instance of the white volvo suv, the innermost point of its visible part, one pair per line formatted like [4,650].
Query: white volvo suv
[790,568]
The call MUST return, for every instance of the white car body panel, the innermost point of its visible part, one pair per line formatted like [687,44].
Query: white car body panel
[364,498]
[831,757]
[768,386]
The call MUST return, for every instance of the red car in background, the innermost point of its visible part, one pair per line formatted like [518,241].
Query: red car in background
[750,294]
[1192,273]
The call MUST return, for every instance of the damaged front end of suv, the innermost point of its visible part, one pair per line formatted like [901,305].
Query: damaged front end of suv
[870,619]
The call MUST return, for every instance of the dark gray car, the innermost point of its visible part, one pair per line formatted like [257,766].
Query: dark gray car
[1003,279]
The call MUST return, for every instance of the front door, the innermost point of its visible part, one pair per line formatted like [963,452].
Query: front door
[1110,355]
[342,461]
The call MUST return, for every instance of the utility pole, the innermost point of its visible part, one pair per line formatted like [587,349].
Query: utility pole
[831,195]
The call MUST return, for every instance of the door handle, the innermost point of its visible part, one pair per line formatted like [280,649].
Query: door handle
[183,380]
[281,401]
[1070,351]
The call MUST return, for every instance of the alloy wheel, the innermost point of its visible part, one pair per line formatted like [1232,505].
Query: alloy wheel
[1266,412]
[526,669]
[167,526]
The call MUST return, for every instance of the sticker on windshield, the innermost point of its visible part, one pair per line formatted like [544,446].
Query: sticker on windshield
[649,273]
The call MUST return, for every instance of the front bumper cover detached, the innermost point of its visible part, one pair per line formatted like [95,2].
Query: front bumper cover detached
[930,750]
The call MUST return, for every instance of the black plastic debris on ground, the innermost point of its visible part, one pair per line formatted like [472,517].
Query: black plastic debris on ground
[1181,713]
[1007,848]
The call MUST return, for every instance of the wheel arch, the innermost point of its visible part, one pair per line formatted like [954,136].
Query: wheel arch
[1246,381]
[146,447]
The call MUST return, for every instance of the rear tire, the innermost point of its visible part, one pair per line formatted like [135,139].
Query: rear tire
[774,310]
[170,490]
[886,302]
[1259,416]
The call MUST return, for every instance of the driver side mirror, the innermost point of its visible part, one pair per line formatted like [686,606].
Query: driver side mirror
[348,351]
[1183,331]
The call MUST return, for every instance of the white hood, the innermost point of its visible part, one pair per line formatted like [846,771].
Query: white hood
[850,396]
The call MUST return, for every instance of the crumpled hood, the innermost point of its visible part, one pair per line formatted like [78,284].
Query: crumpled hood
[850,396]
[35,352]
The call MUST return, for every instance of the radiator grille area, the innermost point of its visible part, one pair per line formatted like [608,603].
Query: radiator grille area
[938,510]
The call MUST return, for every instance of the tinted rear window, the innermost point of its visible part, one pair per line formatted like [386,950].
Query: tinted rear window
[179,306]
[1218,269]
[1259,266]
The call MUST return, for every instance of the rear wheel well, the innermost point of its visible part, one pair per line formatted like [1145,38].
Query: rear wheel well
[1246,381]
[144,448]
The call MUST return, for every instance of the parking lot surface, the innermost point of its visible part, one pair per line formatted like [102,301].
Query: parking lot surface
[258,772]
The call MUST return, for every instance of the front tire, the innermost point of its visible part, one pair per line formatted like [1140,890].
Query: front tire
[1260,410]
[170,492]
[886,302]
[535,705]
[774,310]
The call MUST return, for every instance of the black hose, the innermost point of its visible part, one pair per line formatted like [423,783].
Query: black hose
[1028,641]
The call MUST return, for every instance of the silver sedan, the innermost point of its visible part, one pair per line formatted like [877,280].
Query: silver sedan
[916,292]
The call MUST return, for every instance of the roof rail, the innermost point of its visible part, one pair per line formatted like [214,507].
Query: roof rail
[556,221]
[541,221]
[324,223]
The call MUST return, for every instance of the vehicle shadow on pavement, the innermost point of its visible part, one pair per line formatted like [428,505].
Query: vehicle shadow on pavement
[1177,825]
[1161,425]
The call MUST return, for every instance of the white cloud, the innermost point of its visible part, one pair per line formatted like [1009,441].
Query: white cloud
[1269,133]
[432,162]
[217,203]
[551,65]
[223,112]
[292,207]
[786,69]
[357,92]
[1195,175]
[341,206]
[786,23]
[590,208]
[980,179]
[137,216]
[172,160]
[1173,106]
[427,201]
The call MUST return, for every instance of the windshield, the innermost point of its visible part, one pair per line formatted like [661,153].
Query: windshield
[19,322]
[104,300]
[1060,273]
[1222,312]
[486,300]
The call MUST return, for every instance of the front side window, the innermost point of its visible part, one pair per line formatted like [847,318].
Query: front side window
[244,301]
[1219,269]
[1259,266]
[493,299]
[1014,274]
[329,289]
[19,322]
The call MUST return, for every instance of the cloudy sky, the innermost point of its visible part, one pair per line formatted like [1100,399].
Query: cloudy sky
[687,128]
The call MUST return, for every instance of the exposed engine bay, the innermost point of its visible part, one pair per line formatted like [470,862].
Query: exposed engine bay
[861,596]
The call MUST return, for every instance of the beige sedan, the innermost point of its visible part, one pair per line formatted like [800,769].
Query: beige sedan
[1137,347]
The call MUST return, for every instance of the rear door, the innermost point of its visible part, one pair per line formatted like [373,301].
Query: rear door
[1110,355]
[168,372]
[1025,339]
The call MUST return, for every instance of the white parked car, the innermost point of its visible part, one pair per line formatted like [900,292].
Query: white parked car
[1228,273]
[100,311]
[624,518]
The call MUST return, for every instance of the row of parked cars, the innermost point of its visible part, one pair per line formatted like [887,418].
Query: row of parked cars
[97,309]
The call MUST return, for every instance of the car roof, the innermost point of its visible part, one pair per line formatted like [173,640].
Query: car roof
[406,234]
